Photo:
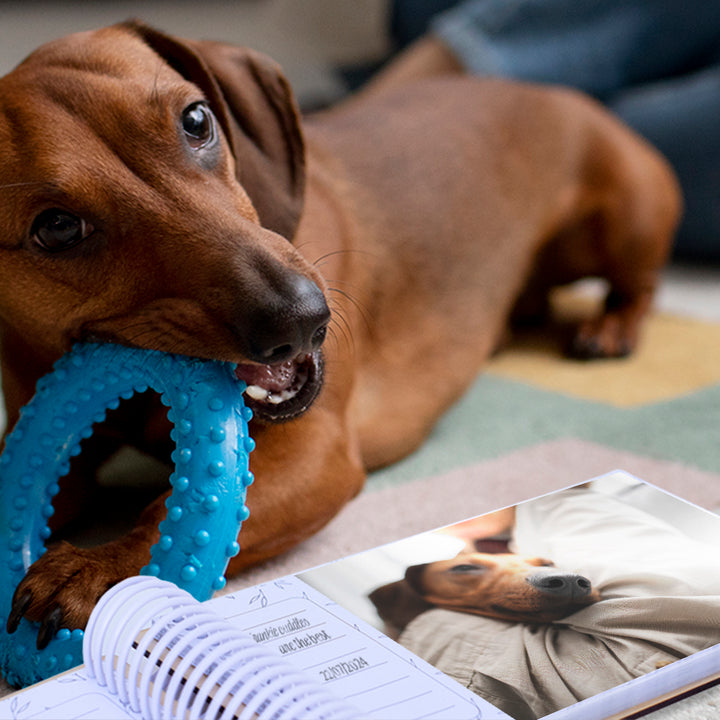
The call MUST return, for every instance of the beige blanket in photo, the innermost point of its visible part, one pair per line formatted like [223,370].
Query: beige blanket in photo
[661,602]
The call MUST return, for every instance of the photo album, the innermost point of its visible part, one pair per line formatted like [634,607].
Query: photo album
[592,602]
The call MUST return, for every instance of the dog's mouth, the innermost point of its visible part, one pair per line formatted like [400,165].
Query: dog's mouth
[276,393]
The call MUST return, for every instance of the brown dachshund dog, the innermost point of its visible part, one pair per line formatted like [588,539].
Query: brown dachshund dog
[503,586]
[161,193]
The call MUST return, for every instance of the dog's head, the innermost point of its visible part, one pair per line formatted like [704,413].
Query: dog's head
[150,190]
[503,586]
[507,586]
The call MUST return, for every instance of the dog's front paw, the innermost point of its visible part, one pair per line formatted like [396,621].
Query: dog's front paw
[62,587]
[614,333]
[609,336]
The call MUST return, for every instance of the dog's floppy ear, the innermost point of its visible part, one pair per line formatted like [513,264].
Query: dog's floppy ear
[397,603]
[255,106]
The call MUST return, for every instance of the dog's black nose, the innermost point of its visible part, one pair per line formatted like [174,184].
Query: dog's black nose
[562,585]
[290,321]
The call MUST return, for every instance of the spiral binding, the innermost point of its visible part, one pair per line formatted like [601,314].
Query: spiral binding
[165,655]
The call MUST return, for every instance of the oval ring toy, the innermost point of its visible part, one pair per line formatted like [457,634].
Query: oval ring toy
[209,482]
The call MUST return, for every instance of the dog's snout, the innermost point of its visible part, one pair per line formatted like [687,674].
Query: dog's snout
[292,322]
[562,585]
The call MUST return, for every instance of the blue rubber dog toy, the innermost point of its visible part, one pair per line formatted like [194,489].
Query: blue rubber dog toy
[209,482]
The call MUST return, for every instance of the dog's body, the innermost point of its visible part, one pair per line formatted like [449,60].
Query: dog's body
[503,586]
[425,215]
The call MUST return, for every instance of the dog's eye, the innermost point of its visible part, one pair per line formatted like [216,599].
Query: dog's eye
[466,568]
[198,125]
[56,230]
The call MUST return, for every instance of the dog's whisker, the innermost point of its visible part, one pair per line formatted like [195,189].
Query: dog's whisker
[135,333]
[340,319]
[30,183]
[333,253]
[338,312]
[339,329]
[322,259]
[347,295]
[362,310]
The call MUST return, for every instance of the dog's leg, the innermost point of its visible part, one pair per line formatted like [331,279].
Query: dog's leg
[636,247]
[62,587]
[304,484]
[615,332]
[620,228]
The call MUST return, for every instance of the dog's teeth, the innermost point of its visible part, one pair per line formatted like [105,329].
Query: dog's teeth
[257,393]
[281,397]
[276,397]
[260,394]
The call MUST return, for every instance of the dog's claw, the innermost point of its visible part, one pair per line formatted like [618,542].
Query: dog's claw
[49,627]
[21,602]
[612,335]
[585,349]
[591,348]
[61,588]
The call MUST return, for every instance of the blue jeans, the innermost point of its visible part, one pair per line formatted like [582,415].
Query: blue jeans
[656,63]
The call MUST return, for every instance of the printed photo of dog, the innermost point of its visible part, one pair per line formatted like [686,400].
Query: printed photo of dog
[503,586]
[628,591]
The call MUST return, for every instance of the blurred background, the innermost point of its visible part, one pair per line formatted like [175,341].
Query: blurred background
[311,39]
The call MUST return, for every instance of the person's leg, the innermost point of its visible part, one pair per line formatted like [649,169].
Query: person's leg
[410,19]
[599,46]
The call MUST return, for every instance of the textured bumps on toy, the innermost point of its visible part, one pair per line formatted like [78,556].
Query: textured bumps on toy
[209,482]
